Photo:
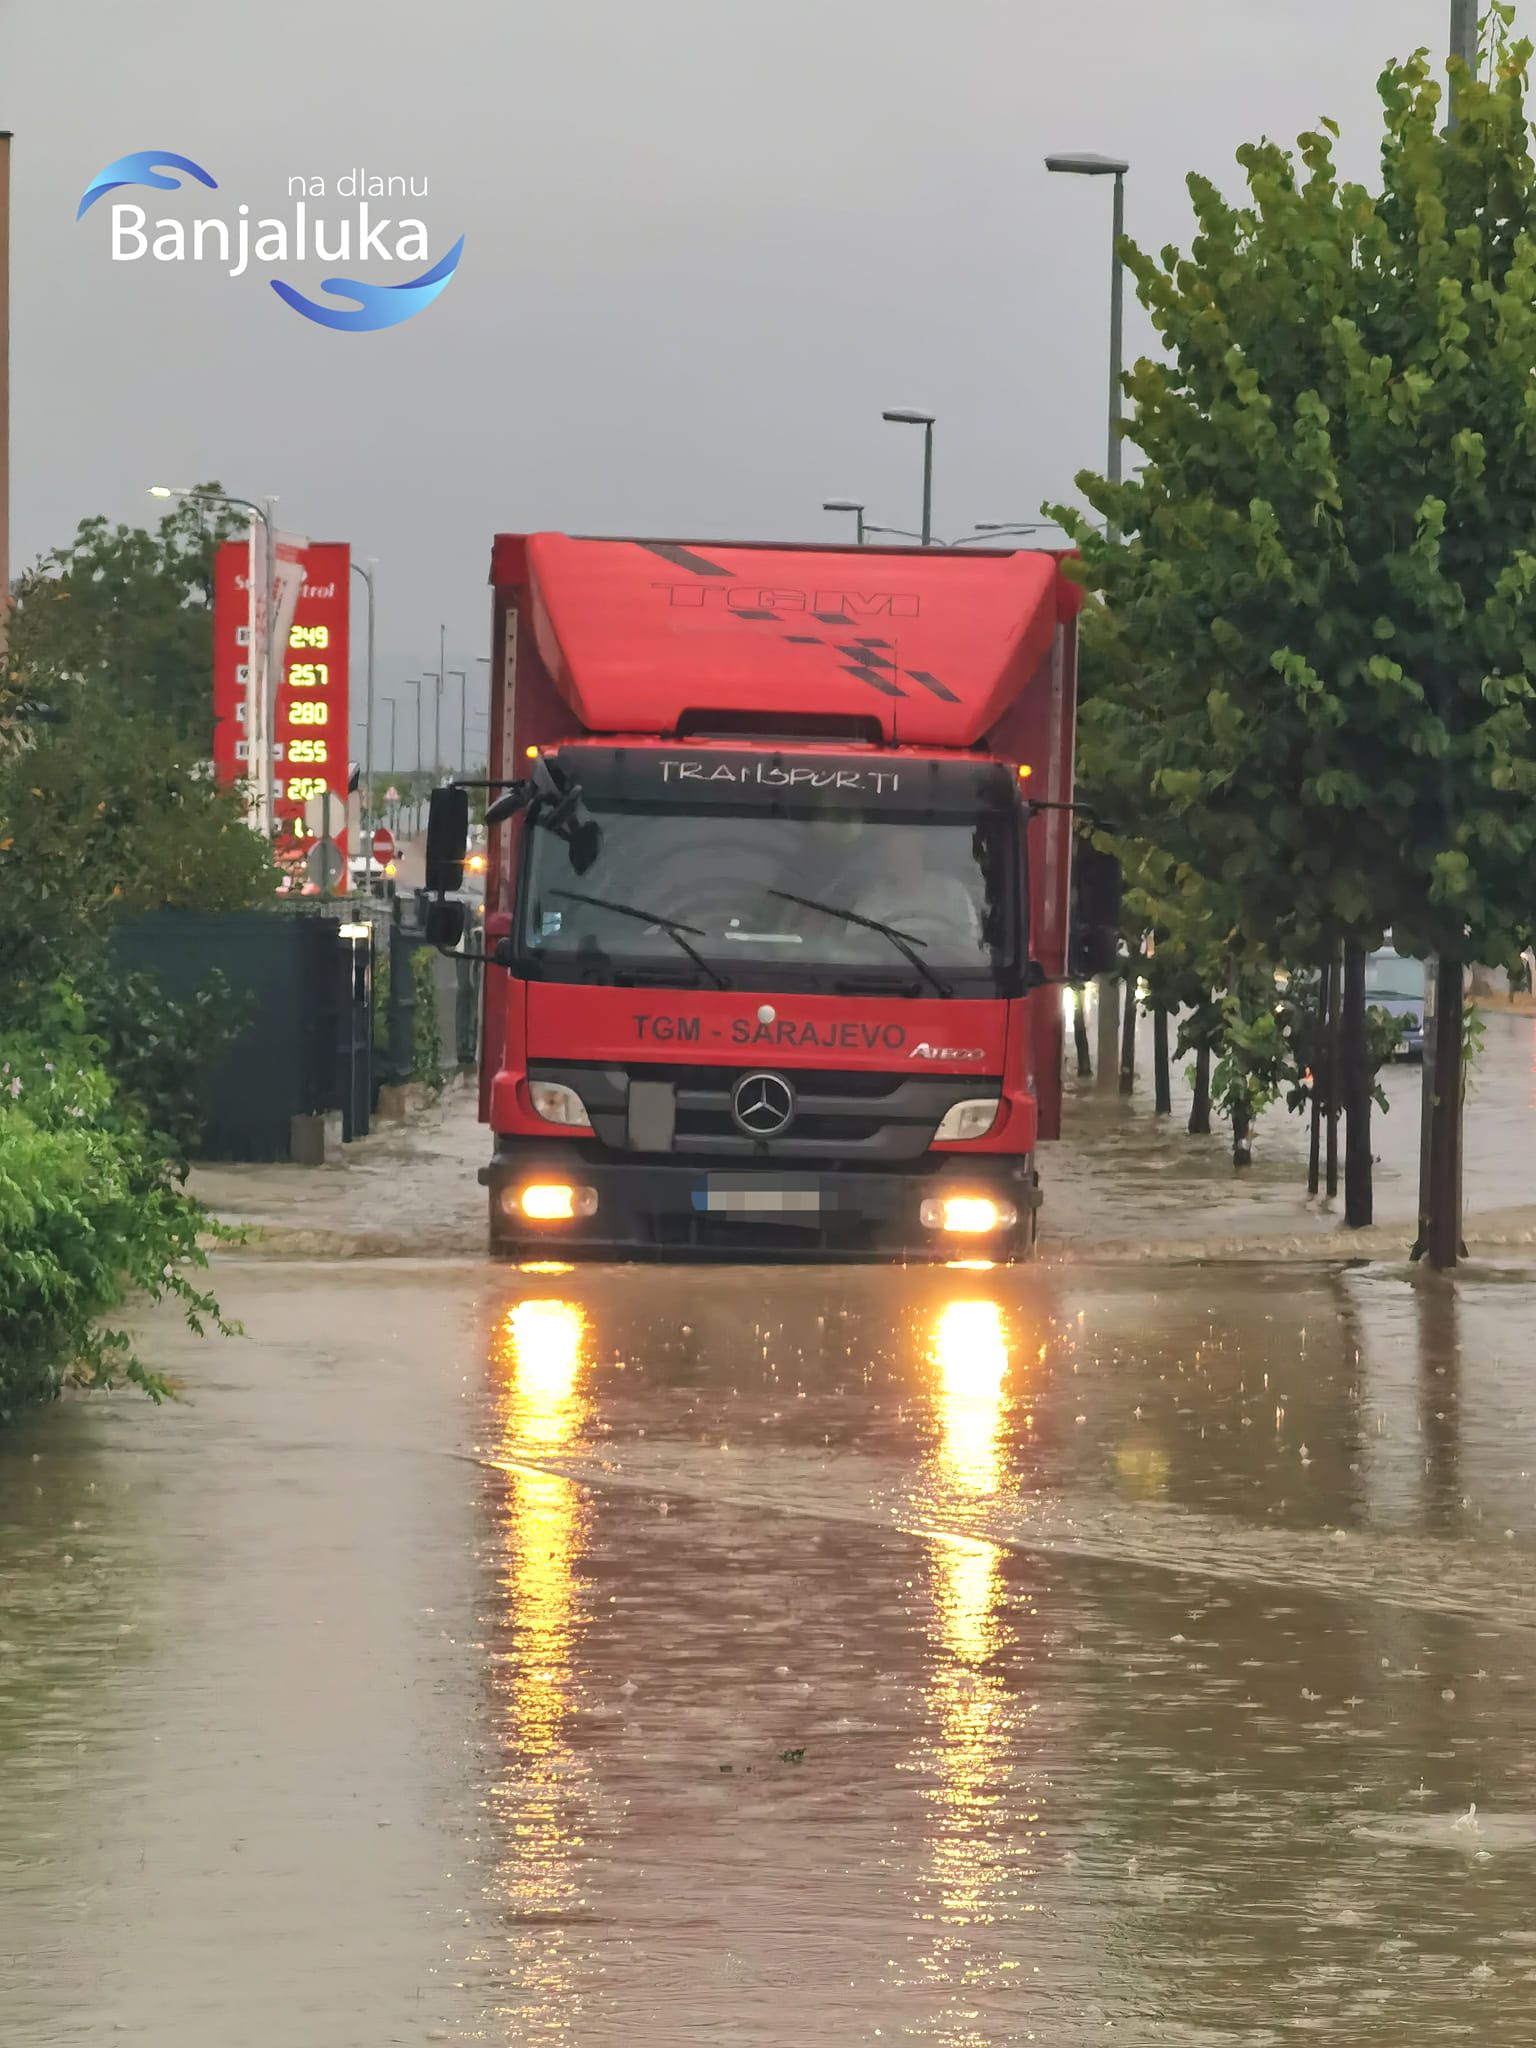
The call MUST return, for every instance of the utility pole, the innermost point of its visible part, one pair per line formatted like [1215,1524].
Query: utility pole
[1116,328]
[365,808]
[463,719]
[272,674]
[1442,982]
[1464,34]
[5,384]
[908,416]
[436,680]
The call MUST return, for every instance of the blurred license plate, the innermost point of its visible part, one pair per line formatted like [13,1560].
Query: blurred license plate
[758,1198]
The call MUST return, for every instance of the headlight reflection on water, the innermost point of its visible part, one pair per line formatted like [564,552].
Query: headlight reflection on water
[967,1756]
[544,1345]
[541,1798]
[969,1353]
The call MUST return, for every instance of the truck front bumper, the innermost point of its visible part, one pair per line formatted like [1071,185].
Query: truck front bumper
[953,1208]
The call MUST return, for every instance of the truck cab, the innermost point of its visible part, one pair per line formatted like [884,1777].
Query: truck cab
[774,898]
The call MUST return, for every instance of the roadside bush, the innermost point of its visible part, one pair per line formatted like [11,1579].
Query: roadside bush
[426,1037]
[89,1215]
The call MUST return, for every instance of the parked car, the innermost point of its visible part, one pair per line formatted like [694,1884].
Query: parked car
[1396,984]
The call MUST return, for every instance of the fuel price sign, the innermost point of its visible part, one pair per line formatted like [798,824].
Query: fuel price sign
[312,712]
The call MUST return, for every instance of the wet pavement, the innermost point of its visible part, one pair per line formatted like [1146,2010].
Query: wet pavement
[950,1657]
[1118,1648]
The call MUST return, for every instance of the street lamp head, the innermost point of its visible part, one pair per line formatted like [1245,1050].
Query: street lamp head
[161,491]
[906,416]
[1085,164]
[841,505]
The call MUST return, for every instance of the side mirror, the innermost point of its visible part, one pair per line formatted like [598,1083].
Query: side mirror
[447,840]
[1035,976]
[508,804]
[444,924]
[1097,885]
[1094,944]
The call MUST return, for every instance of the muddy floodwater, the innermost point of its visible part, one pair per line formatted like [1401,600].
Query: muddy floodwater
[1088,1652]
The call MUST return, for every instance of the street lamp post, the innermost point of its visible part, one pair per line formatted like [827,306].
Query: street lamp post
[848,505]
[484,661]
[895,532]
[390,707]
[1003,529]
[266,739]
[1464,36]
[414,683]
[905,416]
[463,718]
[435,677]
[365,808]
[1087,165]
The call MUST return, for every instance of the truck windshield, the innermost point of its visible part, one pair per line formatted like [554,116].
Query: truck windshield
[728,877]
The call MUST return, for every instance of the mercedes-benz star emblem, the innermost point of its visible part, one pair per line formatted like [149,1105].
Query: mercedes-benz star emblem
[763,1104]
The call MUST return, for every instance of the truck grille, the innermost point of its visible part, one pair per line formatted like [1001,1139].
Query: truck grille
[843,1118]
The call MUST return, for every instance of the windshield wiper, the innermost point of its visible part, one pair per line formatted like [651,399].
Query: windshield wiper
[902,941]
[673,930]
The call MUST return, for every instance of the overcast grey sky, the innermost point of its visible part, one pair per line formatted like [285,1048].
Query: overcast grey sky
[707,241]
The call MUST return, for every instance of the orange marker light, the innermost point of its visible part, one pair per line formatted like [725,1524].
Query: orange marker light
[1025,771]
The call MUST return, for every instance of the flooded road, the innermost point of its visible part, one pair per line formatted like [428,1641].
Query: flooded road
[1118,1651]
[1121,1181]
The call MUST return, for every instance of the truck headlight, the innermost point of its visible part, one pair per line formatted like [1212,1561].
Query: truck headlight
[972,1119]
[558,1104]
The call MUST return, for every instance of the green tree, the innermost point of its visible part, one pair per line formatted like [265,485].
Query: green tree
[130,609]
[106,804]
[1326,585]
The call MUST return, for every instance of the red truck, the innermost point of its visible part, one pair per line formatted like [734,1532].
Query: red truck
[777,896]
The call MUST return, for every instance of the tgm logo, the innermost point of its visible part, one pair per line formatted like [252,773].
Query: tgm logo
[233,240]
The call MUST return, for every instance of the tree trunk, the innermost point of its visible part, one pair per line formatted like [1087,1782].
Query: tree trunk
[1333,1070]
[1242,1134]
[1128,1033]
[1109,1030]
[1427,1112]
[1161,1078]
[1319,1061]
[1200,1107]
[1080,1030]
[1314,1137]
[1356,1092]
[1443,1242]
